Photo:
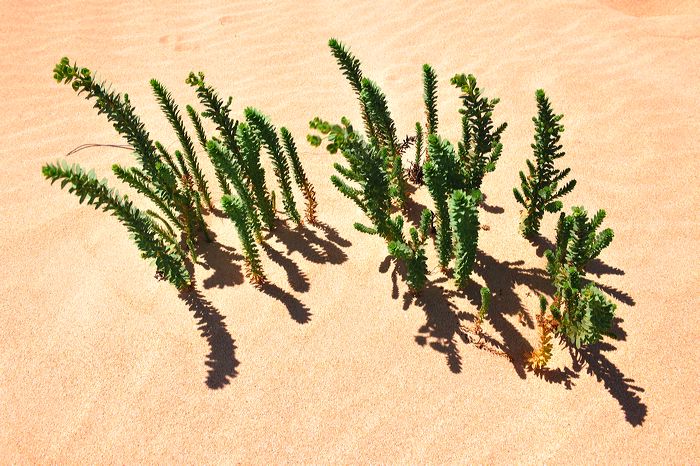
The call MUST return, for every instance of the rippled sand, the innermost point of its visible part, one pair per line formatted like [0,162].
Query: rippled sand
[100,362]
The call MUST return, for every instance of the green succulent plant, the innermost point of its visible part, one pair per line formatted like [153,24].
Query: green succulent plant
[480,147]
[464,222]
[174,184]
[539,190]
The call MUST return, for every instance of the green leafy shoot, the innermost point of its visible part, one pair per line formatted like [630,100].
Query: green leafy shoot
[430,98]
[236,209]
[268,135]
[155,243]
[539,190]
[464,220]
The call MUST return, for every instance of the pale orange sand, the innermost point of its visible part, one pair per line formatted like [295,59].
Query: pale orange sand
[100,362]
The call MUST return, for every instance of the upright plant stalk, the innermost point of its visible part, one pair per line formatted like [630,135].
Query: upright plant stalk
[202,138]
[172,113]
[441,176]
[350,66]
[236,209]
[225,163]
[464,220]
[268,136]
[430,98]
[480,147]
[539,190]
[300,178]
[249,145]
[415,172]
[220,113]
[385,132]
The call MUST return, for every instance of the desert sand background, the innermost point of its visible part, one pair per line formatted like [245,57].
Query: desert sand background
[100,362]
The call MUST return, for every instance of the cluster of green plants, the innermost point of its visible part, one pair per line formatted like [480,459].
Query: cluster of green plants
[174,182]
[374,177]
[580,313]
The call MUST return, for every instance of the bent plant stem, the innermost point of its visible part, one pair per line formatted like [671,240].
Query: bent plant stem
[236,210]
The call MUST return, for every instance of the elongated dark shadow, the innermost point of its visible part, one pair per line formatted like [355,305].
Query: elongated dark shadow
[221,359]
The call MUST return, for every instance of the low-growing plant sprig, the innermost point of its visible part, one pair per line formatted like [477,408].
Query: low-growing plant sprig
[156,243]
[413,253]
[580,313]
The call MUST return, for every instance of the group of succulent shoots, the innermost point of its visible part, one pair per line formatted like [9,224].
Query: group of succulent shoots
[174,182]
[375,180]
[373,177]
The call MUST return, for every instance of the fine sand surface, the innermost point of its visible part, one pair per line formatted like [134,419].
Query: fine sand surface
[101,362]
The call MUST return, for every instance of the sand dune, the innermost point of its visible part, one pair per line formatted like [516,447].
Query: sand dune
[100,362]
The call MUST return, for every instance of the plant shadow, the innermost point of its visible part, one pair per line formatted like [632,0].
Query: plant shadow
[221,359]
[492,209]
[319,249]
[298,311]
[444,324]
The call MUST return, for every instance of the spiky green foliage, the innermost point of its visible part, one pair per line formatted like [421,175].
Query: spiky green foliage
[202,138]
[480,147]
[155,243]
[413,253]
[577,241]
[220,113]
[385,131]
[249,145]
[379,126]
[172,113]
[415,172]
[430,98]
[540,190]
[441,174]
[366,170]
[350,66]
[300,178]
[231,169]
[268,135]
[237,210]
[158,177]
[584,314]
[464,221]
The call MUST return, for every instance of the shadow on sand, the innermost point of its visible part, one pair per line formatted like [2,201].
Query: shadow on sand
[321,244]
[444,323]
